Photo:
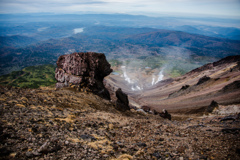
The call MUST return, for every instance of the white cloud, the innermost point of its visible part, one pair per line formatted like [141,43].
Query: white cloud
[217,7]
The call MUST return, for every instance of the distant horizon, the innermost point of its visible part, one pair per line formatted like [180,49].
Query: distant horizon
[167,15]
[152,8]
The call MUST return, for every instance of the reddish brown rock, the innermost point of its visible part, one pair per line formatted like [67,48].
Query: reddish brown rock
[83,70]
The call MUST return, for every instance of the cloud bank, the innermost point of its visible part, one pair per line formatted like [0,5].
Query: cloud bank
[211,7]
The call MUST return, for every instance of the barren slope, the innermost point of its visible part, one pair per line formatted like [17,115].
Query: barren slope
[64,124]
[172,94]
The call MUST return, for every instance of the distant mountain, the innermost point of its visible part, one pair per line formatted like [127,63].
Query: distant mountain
[212,31]
[114,42]
[200,45]
[114,33]
[46,26]
[16,41]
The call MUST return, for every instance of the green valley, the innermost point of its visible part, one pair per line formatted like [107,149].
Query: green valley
[30,77]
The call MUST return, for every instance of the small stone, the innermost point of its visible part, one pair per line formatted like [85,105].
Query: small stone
[203,157]
[29,154]
[141,144]
[110,126]
[44,147]
[105,156]
[36,153]
[66,142]
[157,155]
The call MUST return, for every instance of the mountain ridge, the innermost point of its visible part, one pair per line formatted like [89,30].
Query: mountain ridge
[146,44]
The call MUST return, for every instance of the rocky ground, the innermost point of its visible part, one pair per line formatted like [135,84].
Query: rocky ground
[63,124]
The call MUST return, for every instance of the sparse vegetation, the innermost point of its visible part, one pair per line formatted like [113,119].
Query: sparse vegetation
[30,77]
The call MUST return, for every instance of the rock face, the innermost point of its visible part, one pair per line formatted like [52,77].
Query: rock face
[85,71]
[122,102]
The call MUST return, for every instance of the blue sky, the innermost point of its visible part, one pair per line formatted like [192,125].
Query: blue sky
[142,7]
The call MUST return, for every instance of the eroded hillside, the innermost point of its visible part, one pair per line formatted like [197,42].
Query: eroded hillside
[191,92]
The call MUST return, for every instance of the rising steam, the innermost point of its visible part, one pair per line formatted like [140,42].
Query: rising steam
[135,86]
[159,77]
[133,73]
[136,83]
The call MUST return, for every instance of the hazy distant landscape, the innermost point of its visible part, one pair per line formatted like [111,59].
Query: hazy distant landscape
[35,39]
[120,79]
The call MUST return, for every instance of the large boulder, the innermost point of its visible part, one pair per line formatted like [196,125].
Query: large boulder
[83,71]
[122,102]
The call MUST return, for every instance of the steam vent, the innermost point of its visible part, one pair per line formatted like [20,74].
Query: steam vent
[84,71]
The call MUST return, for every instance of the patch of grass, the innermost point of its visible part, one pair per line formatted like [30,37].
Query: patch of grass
[31,77]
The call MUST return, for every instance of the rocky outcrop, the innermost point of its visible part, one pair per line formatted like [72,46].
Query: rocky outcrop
[203,80]
[146,108]
[185,87]
[231,87]
[184,90]
[212,106]
[122,102]
[165,114]
[84,71]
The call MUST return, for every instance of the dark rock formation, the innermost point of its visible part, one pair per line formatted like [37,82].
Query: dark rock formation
[203,80]
[185,87]
[122,102]
[155,112]
[133,107]
[83,71]
[146,108]
[231,87]
[184,90]
[165,114]
[211,107]
[230,117]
